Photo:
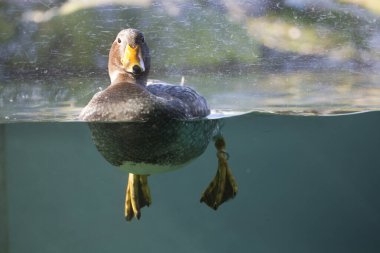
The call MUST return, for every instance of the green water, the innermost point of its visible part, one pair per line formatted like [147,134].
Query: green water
[306,184]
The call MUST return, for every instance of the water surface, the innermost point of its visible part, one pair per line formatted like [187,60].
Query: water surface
[60,98]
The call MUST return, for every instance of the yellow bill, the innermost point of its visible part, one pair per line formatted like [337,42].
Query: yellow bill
[132,57]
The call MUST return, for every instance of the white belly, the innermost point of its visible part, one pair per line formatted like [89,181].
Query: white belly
[148,168]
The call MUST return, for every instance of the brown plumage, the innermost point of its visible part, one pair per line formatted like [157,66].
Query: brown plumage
[154,128]
[128,98]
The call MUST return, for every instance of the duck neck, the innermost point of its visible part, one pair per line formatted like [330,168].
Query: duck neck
[117,76]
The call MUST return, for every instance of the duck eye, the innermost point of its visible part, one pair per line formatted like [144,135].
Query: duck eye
[118,40]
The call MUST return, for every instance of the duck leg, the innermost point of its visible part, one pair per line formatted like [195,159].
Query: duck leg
[137,196]
[223,187]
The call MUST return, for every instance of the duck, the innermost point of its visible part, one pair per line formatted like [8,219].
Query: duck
[140,127]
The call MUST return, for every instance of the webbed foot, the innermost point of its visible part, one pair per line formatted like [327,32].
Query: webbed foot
[223,187]
[137,196]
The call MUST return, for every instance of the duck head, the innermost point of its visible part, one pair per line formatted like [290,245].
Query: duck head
[129,59]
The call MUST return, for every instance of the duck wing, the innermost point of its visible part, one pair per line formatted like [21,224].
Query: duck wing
[131,102]
[195,105]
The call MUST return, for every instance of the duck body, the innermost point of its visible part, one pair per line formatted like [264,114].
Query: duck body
[154,146]
[147,129]
[158,125]
[133,102]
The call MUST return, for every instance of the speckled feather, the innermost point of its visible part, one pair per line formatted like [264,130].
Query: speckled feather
[133,102]
[166,143]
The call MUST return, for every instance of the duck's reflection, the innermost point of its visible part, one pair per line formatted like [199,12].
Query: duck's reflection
[145,148]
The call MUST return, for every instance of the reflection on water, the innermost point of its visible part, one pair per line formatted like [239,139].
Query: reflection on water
[300,93]
[145,148]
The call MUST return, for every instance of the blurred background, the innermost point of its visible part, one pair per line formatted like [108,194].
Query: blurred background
[74,36]
[296,56]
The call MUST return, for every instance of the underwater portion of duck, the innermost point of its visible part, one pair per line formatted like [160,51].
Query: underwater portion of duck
[145,148]
[138,146]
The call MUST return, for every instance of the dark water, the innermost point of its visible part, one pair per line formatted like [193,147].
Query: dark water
[306,184]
